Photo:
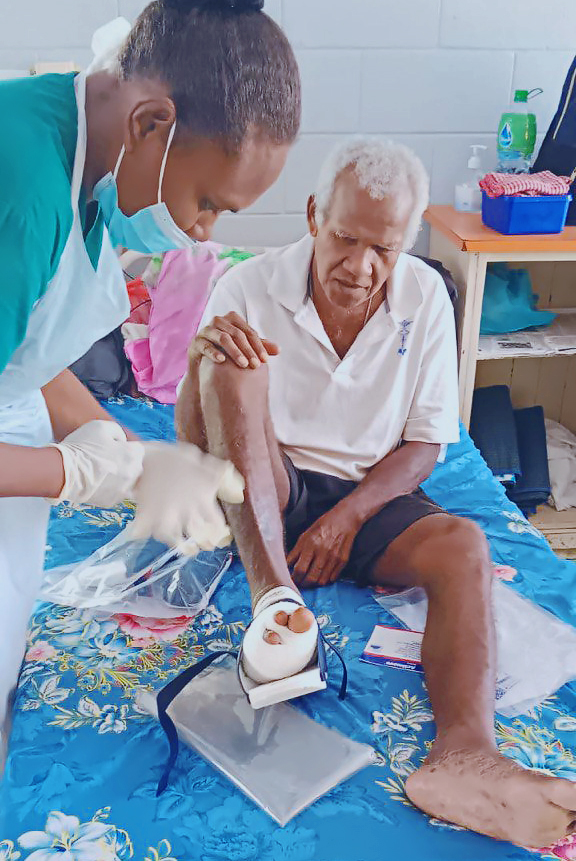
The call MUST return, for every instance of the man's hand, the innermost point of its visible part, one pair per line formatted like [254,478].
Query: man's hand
[323,550]
[231,337]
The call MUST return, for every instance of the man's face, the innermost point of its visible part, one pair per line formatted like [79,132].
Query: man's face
[357,245]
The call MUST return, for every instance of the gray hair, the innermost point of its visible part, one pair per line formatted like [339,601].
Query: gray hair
[384,169]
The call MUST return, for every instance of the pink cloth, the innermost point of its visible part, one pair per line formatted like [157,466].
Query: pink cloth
[159,362]
[525,184]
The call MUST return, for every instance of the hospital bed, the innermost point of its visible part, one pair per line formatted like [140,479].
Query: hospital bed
[84,761]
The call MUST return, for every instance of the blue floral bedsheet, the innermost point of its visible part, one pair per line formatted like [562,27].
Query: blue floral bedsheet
[84,762]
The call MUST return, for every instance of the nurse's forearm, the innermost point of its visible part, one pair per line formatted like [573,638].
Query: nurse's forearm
[71,405]
[27,471]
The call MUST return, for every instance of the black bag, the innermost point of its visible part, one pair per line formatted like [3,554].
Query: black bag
[104,369]
[558,150]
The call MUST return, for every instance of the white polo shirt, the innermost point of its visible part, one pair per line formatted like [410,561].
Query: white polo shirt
[397,382]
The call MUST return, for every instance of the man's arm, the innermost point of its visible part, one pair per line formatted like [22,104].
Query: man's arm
[398,474]
[71,405]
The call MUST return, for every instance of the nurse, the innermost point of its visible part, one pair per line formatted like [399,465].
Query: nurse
[193,116]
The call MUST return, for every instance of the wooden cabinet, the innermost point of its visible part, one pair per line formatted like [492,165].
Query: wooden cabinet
[539,368]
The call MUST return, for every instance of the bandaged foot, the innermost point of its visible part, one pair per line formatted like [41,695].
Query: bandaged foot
[282,638]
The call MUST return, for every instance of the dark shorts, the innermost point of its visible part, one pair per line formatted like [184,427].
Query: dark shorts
[312,494]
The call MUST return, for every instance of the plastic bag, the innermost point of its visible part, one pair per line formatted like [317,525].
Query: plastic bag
[143,578]
[536,652]
[277,756]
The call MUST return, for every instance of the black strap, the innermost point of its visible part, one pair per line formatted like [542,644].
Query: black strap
[344,684]
[163,699]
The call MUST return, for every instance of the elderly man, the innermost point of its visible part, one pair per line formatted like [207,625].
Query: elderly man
[326,372]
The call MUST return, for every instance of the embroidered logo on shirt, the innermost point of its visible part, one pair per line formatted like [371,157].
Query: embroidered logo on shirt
[404,331]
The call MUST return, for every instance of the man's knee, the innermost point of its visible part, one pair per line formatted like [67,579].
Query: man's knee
[452,546]
[227,380]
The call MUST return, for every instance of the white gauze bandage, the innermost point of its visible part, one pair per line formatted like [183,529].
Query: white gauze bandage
[266,662]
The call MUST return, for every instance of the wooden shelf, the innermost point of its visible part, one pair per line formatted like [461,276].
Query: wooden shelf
[466,231]
[559,527]
[557,339]
[466,247]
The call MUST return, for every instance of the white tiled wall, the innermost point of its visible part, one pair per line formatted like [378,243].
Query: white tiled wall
[435,74]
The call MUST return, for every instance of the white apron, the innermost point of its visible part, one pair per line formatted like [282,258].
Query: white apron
[79,307]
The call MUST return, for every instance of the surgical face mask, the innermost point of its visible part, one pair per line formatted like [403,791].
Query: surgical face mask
[150,230]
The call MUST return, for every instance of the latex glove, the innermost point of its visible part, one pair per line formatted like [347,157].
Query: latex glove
[101,467]
[177,497]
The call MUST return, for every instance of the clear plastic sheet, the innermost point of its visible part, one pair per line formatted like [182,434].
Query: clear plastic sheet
[536,652]
[144,578]
[277,756]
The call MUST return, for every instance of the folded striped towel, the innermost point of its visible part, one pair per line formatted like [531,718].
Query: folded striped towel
[525,184]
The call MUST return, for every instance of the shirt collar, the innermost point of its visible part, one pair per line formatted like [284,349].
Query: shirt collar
[289,281]
[404,291]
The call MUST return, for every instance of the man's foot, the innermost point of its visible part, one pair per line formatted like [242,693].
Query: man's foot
[282,638]
[491,794]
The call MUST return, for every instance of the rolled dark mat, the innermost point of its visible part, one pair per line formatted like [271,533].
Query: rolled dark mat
[533,486]
[493,429]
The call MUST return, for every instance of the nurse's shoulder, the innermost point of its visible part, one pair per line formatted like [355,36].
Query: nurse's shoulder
[37,148]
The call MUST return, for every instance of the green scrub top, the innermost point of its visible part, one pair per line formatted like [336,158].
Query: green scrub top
[37,148]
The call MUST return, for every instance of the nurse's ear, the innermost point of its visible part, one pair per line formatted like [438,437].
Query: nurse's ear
[149,121]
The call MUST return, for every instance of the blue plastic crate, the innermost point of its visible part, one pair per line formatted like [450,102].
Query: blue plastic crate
[521,215]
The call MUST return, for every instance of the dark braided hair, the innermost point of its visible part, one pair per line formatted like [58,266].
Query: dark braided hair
[229,68]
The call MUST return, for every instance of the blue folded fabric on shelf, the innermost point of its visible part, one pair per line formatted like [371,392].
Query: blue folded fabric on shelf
[493,429]
[509,303]
[533,485]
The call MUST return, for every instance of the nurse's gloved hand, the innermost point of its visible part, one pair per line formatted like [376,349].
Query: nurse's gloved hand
[101,467]
[177,497]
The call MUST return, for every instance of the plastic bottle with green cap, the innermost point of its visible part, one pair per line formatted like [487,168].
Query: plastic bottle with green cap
[517,134]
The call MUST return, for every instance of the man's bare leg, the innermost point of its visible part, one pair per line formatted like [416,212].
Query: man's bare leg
[464,779]
[224,410]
